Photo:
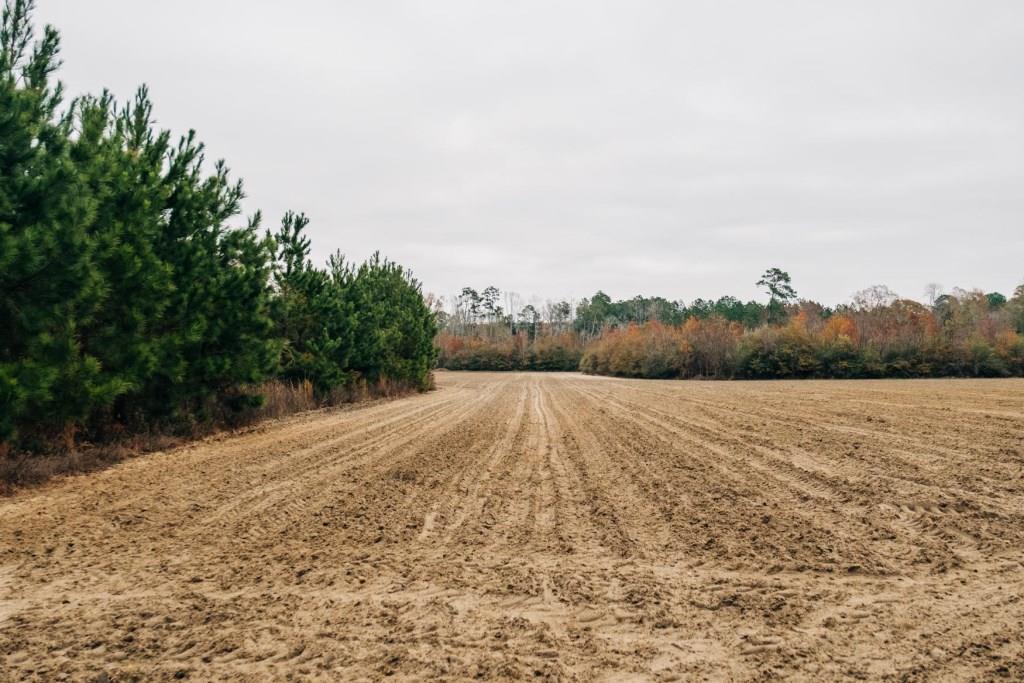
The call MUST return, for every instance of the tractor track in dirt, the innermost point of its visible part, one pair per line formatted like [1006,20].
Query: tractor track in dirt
[516,526]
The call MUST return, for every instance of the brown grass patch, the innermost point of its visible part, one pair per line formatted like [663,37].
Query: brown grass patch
[64,456]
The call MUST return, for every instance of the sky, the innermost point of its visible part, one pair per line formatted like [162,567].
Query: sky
[556,148]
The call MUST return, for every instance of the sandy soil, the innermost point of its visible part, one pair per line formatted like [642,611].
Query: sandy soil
[554,526]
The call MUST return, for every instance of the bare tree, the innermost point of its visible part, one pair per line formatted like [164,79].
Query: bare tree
[873,297]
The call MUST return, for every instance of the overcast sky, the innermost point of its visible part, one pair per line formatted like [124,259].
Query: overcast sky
[554,148]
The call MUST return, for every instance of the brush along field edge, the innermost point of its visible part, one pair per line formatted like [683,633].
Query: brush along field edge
[509,525]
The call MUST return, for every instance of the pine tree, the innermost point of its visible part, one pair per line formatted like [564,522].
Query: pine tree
[126,292]
[780,292]
[395,328]
[121,159]
[49,285]
[311,315]
[216,331]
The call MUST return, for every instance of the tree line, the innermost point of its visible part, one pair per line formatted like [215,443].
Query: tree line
[479,332]
[132,294]
[877,334]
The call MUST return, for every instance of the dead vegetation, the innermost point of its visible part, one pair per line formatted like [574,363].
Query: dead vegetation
[61,455]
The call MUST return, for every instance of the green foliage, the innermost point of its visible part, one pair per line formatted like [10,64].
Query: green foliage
[215,332]
[394,328]
[840,358]
[127,294]
[120,161]
[49,284]
[311,316]
[780,291]
[348,322]
[599,312]
[995,300]
[779,353]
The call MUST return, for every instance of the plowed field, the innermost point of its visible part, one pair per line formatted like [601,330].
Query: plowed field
[560,526]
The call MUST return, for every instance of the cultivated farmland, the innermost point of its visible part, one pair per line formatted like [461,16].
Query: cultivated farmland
[521,525]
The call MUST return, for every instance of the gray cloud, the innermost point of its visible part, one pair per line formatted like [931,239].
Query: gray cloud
[642,147]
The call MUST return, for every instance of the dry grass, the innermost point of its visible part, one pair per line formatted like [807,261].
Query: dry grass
[31,469]
[284,398]
[279,399]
